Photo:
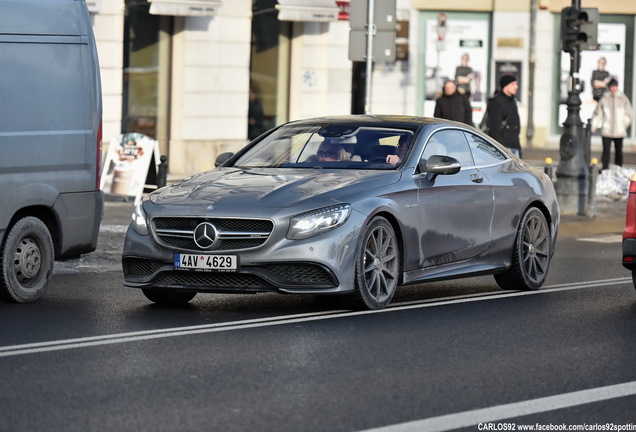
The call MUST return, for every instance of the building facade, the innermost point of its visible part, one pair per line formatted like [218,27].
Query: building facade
[182,71]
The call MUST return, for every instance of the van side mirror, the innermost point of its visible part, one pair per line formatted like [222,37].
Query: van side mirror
[439,165]
[222,158]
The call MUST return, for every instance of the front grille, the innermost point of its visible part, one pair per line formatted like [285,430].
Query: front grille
[233,234]
[211,280]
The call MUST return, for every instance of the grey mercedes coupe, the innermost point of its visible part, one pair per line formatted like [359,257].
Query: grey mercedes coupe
[355,205]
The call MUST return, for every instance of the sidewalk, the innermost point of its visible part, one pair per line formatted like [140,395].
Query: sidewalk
[610,219]
[536,156]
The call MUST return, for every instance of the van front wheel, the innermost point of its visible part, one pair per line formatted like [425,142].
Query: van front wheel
[26,261]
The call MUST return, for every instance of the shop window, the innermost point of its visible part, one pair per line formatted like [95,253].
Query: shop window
[269,64]
[146,71]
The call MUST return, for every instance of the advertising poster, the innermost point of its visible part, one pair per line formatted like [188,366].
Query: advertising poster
[456,49]
[606,62]
[127,164]
[509,68]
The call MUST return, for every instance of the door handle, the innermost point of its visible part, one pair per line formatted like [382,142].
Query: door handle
[476,178]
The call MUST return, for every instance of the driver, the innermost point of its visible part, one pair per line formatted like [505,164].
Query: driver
[330,152]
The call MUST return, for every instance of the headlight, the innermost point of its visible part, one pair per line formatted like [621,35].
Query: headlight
[318,221]
[139,222]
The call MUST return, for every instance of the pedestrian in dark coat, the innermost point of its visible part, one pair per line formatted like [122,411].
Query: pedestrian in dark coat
[453,105]
[503,115]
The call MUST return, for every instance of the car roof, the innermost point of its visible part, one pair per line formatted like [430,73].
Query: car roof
[371,120]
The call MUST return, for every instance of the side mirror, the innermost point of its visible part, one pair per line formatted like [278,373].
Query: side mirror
[439,165]
[222,158]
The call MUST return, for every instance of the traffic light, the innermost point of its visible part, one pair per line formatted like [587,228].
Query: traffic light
[579,28]
[589,27]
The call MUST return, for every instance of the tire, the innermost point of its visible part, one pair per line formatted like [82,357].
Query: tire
[634,278]
[377,266]
[530,255]
[26,261]
[168,296]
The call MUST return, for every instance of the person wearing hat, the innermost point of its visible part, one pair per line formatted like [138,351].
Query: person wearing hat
[503,115]
[613,116]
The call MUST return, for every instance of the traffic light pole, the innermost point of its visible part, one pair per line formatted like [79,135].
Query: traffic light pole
[573,171]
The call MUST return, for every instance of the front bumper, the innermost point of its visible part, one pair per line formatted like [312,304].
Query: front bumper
[291,277]
[318,265]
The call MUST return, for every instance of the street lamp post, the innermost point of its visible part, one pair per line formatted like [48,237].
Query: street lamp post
[573,171]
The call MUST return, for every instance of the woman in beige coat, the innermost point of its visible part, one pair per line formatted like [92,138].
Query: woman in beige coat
[613,116]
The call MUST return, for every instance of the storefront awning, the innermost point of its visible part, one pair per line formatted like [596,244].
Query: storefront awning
[307,10]
[184,7]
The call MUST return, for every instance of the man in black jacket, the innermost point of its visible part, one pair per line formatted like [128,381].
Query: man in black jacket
[503,115]
[453,105]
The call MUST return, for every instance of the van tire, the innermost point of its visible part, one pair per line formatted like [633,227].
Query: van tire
[26,261]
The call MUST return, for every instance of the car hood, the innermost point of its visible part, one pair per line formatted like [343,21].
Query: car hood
[265,187]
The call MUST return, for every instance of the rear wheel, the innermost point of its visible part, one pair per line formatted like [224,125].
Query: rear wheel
[168,296]
[634,278]
[530,255]
[26,261]
[377,266]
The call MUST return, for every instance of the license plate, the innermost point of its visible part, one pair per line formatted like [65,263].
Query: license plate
[218,263]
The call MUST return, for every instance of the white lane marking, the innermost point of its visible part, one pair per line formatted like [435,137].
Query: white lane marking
[588,284]
[92,341]
[607,238]
[512,410]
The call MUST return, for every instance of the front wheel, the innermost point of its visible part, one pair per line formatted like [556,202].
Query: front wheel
[26,261]
[377,266]
[530,255]
[168,297]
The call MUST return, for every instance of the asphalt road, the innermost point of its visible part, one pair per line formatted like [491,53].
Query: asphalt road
[93,355]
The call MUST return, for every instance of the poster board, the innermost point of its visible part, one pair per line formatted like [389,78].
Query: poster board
[444,53]
[509,68]
[132,158]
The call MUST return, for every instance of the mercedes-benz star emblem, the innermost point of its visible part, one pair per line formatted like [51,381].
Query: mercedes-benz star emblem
[205,235]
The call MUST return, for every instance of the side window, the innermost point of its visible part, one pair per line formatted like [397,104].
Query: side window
[449,143]
[484,153]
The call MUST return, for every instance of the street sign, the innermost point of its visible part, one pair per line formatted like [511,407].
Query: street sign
[383,31]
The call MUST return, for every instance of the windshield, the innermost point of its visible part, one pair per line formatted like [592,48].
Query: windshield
[329,146]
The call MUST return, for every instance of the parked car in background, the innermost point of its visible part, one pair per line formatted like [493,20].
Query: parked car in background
[355,205]
[50,141]
[629,234]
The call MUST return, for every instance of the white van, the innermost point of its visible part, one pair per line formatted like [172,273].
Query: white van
[50,141]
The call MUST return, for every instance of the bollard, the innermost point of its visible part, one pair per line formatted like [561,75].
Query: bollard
[591,196]
[162,174]
[548,169]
